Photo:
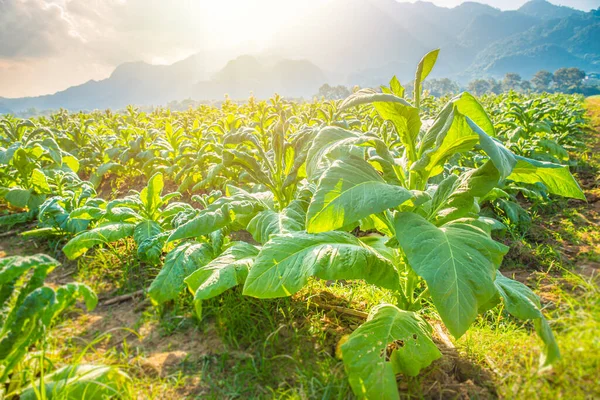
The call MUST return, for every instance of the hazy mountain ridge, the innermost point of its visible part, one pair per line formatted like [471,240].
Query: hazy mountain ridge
[361,42]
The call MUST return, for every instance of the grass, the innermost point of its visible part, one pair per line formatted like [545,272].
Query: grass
[285,348]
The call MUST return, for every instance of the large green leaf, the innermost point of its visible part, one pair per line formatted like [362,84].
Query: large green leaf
[392,341]
[369,96]
[455,197]
[268,222]
[504,160]
[18,197]
[557,178]
[458,261]
[426,65]
[107,233]
[218,215]
[406,120]
[151,194]
[521,302]
[285,263]
[31,317]
[15,266]
[402,114]
[179,263]
[468,106]
[454,136]
[39,181]
[423,70]
[326,139]
[144,230]
[350,190]
[458,133]
[224,272]
[146,235]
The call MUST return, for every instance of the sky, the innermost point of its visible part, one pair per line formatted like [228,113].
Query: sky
[49,45]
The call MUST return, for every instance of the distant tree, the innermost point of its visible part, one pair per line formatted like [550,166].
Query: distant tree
[569,79]
[479,87]
[441,87]
[541,80]
[494,86]
[324,90]
[333,92]
[511,81]
[525,86]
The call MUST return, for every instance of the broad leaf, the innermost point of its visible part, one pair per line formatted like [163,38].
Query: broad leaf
[454,136]
[18,197]
[557,178]
[423,70]
[107,233]
[458,261]
[39,181]
[179,263]
[285,263]
[402,114]
[325,140]
[504,160]
[218,215]
[426,65]
[146,236]
[350,190]
[468,106]
[455,197]
[267,223]
[392,341]
[224,272]
[521,302]
[151,194]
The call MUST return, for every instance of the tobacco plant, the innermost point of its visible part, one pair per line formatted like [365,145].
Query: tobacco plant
[431,248]
[27,310]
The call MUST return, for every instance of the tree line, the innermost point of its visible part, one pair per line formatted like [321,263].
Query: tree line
[565,80]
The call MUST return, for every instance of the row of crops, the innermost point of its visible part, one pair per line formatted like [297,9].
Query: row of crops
[405,193]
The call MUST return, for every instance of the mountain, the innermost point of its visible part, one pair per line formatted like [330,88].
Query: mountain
[566,42]
[145,84]
[356,42]
[367,41]
[546,10]
[245,74]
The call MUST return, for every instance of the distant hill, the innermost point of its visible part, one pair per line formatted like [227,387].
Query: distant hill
[573,41]
[368,41]
[144,84]
[357,42]
[245,74]
[545,10]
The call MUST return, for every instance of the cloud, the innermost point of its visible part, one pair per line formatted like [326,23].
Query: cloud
[34,28]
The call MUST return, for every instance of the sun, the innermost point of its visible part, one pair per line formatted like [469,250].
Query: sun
[233,22]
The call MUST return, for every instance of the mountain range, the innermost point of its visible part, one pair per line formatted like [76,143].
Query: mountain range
[357,42]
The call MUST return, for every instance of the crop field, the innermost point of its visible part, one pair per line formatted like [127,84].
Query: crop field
[389,245]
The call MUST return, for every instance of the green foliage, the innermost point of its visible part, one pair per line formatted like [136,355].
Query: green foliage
[400,193]
[27,311]
[392,341]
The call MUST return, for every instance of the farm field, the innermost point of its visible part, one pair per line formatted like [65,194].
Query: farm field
[387,245]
